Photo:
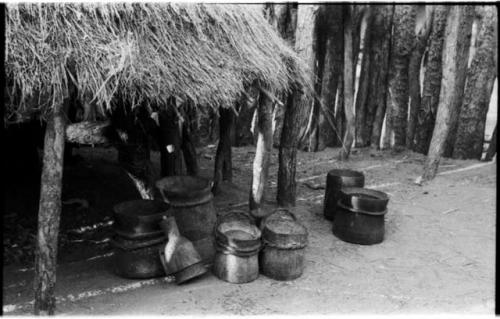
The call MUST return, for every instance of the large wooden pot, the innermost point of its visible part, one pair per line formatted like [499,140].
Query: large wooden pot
[284,239]
[191,202]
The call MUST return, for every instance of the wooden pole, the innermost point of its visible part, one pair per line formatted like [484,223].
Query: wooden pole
[223,161]
[448,95]
[403,41]
[49,214]
[189,151]
[480,81]
[423,28]
[426,114]
[263,151]
[297,107]
[379,72]
[348,87]
[492,148]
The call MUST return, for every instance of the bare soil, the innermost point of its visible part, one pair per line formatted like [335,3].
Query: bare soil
[437,256]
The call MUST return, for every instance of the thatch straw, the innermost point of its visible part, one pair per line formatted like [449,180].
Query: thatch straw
[143,52]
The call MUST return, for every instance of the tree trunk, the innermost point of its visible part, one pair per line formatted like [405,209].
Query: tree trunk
[363,87]
[424,23]
[426,115]
[449,94]
[297,108]
[348,85]
[379,53]
[403,40]
[223,160]
[463,46]
[49,215]
[329,136]
[480,81]
[262,158]
[492,148]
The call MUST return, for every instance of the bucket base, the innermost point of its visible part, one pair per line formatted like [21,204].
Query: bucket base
[236,269]
[189,273]
[356,238]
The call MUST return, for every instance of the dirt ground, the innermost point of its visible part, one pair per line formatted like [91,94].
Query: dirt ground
[438,254]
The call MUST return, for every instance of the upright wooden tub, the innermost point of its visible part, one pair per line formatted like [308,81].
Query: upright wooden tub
[237,244]
[336,179]
[284,239]
[191,203]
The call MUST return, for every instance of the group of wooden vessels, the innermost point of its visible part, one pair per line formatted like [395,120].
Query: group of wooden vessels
[183,235]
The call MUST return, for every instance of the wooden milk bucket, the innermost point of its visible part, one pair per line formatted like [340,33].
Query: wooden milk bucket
[360,217]
[284,240]
[137,258]
[336,179]
[137,238]
[191,203]
[237,244]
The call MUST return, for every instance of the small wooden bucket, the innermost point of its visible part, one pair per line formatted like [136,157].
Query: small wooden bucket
[284,239]
[237,246]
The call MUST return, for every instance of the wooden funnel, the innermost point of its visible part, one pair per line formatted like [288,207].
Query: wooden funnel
[179,257]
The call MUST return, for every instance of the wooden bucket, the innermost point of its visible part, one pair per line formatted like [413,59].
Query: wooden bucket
[237,245]
[191,203]
[139,218]
[359,227]
[284,240]
[137,258]
[336,179]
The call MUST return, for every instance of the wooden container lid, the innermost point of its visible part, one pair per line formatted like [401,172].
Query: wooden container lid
[282,230]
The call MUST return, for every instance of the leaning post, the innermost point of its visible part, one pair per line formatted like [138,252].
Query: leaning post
[49,213]
[263,151]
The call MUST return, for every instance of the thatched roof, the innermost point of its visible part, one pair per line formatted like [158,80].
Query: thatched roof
[143,51]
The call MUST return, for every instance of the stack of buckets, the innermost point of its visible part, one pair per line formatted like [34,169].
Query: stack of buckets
[276,249]
[357,213]
[138,238]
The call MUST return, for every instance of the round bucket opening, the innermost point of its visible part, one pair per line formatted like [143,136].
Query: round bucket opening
[364,196]
[239,231]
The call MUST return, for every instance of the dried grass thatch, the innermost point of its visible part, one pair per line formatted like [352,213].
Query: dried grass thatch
[147,52]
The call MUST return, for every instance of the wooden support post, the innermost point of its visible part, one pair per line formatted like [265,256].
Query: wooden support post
[49,215]
[449,90]
[262,154]
[223,162]
[297,107]
[348,88]
[170,150]
[492,148]
[189,151]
